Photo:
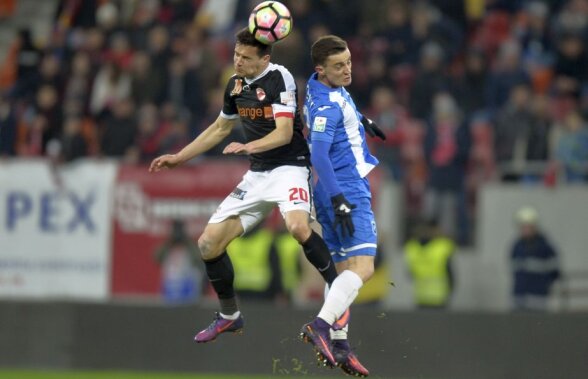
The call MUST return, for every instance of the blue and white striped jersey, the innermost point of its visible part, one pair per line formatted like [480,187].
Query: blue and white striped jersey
[332,117]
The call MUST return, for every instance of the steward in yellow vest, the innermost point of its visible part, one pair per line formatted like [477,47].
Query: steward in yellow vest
[428,257]
[265,264]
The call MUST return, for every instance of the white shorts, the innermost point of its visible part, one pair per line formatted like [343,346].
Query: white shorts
[259,192]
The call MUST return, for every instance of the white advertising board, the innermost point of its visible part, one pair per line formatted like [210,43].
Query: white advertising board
[55,229]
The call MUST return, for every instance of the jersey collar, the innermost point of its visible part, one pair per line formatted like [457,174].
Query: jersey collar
[267,69]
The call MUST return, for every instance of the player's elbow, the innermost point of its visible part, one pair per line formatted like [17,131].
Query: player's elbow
[285,137]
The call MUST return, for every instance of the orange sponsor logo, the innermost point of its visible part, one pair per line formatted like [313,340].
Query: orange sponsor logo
[252,113]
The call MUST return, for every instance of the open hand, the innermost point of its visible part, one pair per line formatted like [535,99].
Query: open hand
[236,148]
[164,162]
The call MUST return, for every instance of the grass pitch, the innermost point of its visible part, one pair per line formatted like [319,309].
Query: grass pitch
[31,374]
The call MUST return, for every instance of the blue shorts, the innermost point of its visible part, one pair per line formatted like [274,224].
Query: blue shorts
[364,240]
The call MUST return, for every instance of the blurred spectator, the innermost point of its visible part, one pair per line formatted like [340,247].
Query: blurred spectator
[177,12]
[108,17]
[583,102]
[507,74]
[473,83]
[29,56]
[198,53]
[7,128]
[73,143]
[146,82]
[143,18]
[447,149]
[572,147]
[118,131]
[375,70]
[177,135]
[48,118]
[183,88]
[428,255]
[93,43]
[342,17]
[50,74]
[78,83]
[76,13]
[428,24]
[182,269]
[393,119]
[482,163]
[453,9]
[534,33]
[119,50]
[111,85]
[397,34]
[159,53]
[572,18]
[571,64]
[539,151]
[520,134]
[305,14]
[431,78]
[534,263]
[31,77]
[149,133]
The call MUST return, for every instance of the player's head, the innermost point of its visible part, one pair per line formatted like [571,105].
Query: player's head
[332,61]
[251,56]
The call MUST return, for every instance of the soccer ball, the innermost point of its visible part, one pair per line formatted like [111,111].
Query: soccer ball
[270,22]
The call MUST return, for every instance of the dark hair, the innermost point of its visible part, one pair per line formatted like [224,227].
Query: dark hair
[326,46]
[244,37]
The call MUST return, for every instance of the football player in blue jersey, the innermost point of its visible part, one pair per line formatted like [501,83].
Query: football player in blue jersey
[342,196]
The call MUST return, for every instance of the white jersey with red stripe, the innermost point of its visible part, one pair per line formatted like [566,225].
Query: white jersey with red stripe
[257,103]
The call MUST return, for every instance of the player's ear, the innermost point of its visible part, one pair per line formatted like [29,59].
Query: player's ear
[266,58]
[319,69]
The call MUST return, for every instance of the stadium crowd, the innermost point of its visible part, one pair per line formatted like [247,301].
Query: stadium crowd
[467,91]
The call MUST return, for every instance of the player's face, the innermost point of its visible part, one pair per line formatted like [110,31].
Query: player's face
[336,72]
[247,63]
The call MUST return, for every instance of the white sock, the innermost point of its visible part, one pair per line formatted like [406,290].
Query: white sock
[234,316]
[342,293]
[340,334]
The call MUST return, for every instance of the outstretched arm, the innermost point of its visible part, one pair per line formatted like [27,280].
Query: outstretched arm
[280,136]
[209,138]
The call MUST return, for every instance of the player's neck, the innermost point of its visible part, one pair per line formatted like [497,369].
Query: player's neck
[258,73]
[325,81]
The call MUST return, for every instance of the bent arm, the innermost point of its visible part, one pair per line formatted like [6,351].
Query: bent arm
[282,135]
[210,137]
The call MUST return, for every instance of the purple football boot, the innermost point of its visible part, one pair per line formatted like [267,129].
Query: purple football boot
[220,325]
[317,333]
[347,360]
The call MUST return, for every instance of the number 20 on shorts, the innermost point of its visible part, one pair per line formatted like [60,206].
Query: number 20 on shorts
[297,194]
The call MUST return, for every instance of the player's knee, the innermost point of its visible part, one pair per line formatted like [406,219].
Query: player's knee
[208,248]
[363,270]
[300,230]
[367,273]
